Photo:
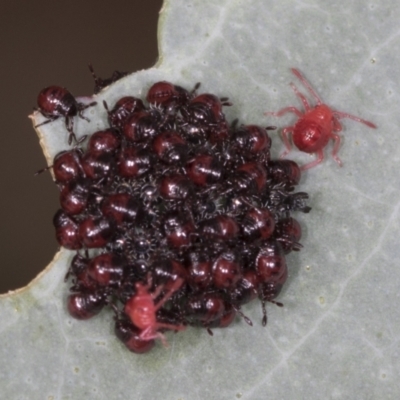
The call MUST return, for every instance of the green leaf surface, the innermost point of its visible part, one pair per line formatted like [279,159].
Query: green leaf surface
[338,334]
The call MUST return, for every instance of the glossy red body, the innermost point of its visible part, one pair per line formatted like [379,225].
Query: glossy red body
[55,102]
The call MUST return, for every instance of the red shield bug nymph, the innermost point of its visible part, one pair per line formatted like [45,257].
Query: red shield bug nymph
[55,102]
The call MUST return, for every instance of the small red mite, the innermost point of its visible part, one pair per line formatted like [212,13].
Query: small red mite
[141,309]
[315,127]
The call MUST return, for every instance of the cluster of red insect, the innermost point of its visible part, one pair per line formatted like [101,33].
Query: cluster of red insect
[186,217]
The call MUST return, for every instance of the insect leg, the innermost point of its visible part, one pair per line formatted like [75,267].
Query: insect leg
[69,123]
[286,141]
[149,334]
[47,121]
[83,107]
[284,111]
[307,85]
[171,326]
[336,125]
[301,96]
[339,114]
[320,154]
[177,284]
[336,139]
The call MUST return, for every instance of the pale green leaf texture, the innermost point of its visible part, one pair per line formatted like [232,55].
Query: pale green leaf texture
[338,335]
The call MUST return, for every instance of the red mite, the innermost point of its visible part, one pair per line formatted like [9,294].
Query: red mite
[141,309]
[315,127]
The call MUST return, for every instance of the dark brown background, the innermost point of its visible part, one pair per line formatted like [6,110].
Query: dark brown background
[44,43]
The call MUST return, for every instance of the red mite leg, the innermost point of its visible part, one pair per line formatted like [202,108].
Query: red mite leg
[320,157]
[302,97]
[339,114]
[337,126]
[284,111]
[148,334]
[336,146]
[286,141]
[177,284]
[306,84]
[151,332]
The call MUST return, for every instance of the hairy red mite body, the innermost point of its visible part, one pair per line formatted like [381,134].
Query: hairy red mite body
[315,127]
[141,309]
[311,132]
